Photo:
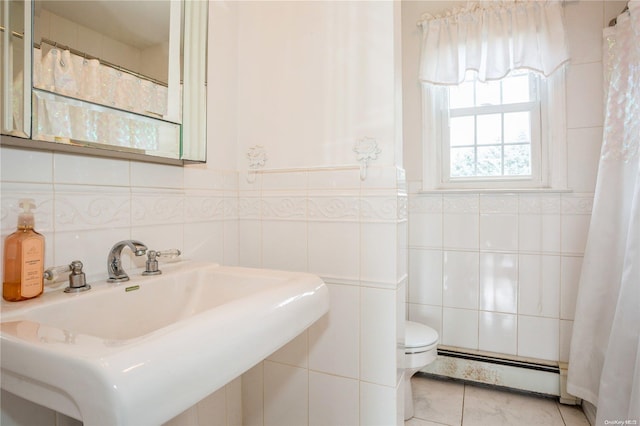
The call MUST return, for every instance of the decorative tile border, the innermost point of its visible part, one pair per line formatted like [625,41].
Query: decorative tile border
[334,208]
[502,204]
[153,208]
[461,204]
[204,208]
[425,203]
[577,204]
[78,211]
[283,208]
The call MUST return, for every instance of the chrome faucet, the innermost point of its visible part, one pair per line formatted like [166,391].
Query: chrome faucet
[114,267]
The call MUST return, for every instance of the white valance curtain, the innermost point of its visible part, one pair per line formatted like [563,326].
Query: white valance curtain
[492,38]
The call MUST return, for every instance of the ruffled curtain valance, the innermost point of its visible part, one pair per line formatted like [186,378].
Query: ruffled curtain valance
[492,38]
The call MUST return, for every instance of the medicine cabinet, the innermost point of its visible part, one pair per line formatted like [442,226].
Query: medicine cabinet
[118,78]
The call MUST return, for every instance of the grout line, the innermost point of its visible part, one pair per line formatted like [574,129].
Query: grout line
[464,395]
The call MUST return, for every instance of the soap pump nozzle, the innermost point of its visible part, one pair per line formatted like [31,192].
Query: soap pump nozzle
[25,218]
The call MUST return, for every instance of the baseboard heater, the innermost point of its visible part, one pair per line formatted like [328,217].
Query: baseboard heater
[519,373]
[550,368]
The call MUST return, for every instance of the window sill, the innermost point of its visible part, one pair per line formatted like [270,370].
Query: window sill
[495,191]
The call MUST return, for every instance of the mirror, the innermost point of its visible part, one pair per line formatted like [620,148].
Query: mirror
[15,84]
[108,75]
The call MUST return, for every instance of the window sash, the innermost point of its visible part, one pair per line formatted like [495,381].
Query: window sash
[532,180]
[493,109]
[552,149]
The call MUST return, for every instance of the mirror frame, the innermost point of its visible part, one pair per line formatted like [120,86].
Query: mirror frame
[193,141]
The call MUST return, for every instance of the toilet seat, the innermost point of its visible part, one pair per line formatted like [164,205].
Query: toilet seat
[419,338]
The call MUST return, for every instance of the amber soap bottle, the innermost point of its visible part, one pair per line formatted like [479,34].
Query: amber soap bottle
[23,258]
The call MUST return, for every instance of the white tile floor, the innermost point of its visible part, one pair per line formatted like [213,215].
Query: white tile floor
[447,402]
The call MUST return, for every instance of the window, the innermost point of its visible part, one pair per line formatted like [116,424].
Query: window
[501,134]
[509,132]
[492,129]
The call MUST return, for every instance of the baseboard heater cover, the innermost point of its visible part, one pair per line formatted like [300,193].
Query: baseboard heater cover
[522,374]
[500,361]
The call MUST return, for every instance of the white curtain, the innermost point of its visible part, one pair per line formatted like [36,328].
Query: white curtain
[604,364]
[492,38]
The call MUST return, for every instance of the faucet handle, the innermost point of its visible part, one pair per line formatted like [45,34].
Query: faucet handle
[53,273]
[152,260]
[169,254]
[77,278]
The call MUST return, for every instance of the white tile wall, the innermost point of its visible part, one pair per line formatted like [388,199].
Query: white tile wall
[286,397]
[498,332]
[584,23]
[346,230]
[460,280]
[461,222]
[539,285]
[379,243]
[539,223]
[585,145]
[499,282]
[335,338]
[538,337]
[352,234]
[378,340]
[380,405]
[570,276]
[26,166]
[342,259]
[221,408]
[425,276]
[293,353]
[335,400]
[584,95]
[477,296]
[18,411]
[253,396]
[460,327]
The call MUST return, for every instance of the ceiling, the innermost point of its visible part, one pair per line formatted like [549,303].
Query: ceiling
[138,23]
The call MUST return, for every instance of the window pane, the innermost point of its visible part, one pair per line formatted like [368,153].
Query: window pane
[517,160]
[489,161]
[488,93]
[515,89]
[462,131]
[517,127]
[461,96]
[462,162]
[489,136]
[489,129]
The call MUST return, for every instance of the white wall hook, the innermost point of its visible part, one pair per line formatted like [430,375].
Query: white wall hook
[366,149]
[257,157]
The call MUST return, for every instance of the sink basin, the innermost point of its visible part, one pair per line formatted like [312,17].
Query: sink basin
[143,351]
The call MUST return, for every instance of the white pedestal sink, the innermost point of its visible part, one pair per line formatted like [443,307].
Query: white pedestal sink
[143,351]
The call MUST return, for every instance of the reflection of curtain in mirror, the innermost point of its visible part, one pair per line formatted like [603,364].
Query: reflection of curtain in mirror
[604,364]
[45,79]
[64,77]
[60,119]
[62,72]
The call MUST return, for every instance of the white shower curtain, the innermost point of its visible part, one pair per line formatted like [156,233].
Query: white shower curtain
[604,364]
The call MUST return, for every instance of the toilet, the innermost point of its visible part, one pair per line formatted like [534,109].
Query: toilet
[420,349]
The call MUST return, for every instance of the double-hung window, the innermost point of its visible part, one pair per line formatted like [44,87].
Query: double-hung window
[491,130]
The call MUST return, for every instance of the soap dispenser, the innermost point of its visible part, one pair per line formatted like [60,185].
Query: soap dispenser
[23,258]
